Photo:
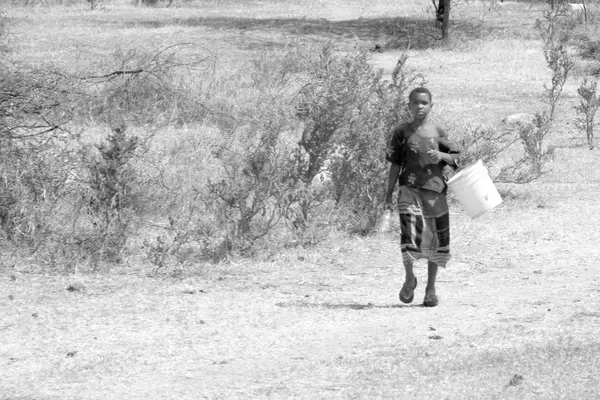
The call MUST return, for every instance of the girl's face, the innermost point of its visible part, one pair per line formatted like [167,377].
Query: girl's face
[420,106]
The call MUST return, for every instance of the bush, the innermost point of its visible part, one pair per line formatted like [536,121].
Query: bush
[484,143]
[241,153]
[143,88]
[347,110]
[254,190]
[108,194]
[60,199]
[555,29]
[254,149]
[36,107]
[182,220]
[587,108]
[358,168]
[307,150]
[256,185]
[589,48]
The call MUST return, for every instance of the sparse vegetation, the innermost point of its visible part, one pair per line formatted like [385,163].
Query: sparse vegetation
[555,29]
[232,149]
[296,141]
[109,194]
[587,108]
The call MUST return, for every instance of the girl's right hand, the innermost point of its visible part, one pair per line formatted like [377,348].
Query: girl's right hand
[435,155]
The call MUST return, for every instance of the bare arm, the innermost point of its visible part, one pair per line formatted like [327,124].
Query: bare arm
[438,156]
[449,149]
[392,179]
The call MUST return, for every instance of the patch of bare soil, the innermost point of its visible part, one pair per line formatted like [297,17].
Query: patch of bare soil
[315,321]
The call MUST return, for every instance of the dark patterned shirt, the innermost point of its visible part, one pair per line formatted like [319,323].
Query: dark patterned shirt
[409,150]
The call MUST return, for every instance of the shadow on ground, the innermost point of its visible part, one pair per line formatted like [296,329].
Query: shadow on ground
[351,306]
[388,32]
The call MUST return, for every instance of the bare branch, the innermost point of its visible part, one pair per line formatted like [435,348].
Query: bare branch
[115,73]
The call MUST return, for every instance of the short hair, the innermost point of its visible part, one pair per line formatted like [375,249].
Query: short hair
[419,90]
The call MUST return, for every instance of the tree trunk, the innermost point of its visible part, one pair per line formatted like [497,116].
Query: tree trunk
[446,18]
[439,11]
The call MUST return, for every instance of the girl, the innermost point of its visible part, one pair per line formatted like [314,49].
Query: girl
[419,151]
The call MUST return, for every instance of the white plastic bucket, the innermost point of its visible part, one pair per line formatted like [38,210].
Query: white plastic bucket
[475,190]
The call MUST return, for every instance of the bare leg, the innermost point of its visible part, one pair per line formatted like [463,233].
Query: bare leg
[410,275]
[431,299]
[432,269]
[410,282]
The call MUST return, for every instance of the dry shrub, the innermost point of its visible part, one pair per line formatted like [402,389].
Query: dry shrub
[271,157]
[62,200]
[181,224]
[95,215]
[254,190]
[588,45]
[357,167]
[555,29]
[108,194]
[484,143]
[36,107]
[347,111]
[306,152]
[588,106]
[242,155]
[256,185]
[526,139]
[144,87]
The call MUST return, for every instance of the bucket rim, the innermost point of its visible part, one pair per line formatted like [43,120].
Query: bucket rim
[464,171]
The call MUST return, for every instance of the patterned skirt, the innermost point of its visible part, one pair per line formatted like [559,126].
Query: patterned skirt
[425,224]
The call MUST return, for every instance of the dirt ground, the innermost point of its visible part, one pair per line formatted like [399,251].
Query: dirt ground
[519,313]
[326,322]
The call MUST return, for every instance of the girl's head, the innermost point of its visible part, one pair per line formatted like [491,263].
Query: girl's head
[419,90]
[420,103]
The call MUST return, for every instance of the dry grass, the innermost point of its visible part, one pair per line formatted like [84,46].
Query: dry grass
[520,298]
